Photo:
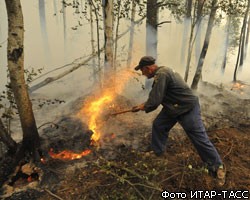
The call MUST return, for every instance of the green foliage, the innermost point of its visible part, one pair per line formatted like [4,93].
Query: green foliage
[31,74]
[176,8]
[233,7]
[235,31]
[8,107]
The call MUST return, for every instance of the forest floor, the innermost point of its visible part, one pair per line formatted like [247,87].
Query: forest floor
[120,169]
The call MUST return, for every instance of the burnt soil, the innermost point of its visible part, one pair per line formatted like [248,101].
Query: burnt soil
[121,169]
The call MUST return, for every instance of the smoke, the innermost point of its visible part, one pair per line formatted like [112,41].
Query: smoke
[128,83]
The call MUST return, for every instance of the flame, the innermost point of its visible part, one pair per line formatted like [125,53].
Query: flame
[68,155]
[94,106]
[93,112]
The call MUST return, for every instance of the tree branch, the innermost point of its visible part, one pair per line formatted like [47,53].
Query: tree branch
[52,194]
[52,79]
[77,66]
[164,22]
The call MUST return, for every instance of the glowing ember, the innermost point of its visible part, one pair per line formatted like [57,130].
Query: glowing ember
[29,179]
[43,160]
[113,136]
[238,86]
[68,155]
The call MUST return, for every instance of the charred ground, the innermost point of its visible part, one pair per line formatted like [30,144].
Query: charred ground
[120,169]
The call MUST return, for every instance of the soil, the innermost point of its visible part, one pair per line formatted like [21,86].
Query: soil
[121,169]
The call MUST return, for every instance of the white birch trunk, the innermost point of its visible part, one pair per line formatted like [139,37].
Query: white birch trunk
[15,52]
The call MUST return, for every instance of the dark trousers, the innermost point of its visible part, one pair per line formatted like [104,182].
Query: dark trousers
[193,126]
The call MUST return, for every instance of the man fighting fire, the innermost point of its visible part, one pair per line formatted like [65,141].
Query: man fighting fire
[179,105]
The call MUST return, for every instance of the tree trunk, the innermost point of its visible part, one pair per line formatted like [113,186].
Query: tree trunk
[55,10]
[239,62]
[98,43]
[205,45]
[44,29]
[186,30]
[108,39]
[151,28]
[247,37]
[95,70]
[223,67]
[200,5]
[151,33]
[194,36]
[243,45]
[189,54]
[15,53]
[64,28]
[132,30]
[117,33]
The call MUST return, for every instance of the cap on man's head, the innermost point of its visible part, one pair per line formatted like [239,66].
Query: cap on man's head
[145,61]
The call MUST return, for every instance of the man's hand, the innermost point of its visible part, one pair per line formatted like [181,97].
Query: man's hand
[138,108]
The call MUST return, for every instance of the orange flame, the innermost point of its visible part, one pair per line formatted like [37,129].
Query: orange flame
[68,155]
[92,110]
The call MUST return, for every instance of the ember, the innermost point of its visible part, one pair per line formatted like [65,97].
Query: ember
[68,155]
[43,160]
[238,86]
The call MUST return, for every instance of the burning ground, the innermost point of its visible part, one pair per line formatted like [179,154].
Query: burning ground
[89,154]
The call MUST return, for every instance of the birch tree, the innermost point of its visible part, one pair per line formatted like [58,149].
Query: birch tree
[211,20]
[64,6]
[118,17]
[195,33]
[132,30]
[151,33]
[95,10]
[44,28]
[55,10]
[186,29]
[224,62]
[244,35]
[241,48]
[95,69]
[151,28]
[108,40]
[247,37]
[15,54]
[199,17]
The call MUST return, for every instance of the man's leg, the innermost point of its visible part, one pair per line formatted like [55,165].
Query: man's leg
[161,126]
[193,126]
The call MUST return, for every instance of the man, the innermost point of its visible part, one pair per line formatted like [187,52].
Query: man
[179,105]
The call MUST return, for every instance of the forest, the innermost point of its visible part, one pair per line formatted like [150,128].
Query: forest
[68,86]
